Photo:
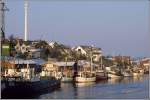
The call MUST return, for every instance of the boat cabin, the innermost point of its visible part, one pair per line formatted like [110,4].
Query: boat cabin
[27,70]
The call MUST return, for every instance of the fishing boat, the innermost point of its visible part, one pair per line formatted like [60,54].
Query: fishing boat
[67,76]
[87,74]
[135,74]
[23,79]
[114,74]
[84,77]
[111,75]
[125,70]
[101,73]
[127,73]
[141,71]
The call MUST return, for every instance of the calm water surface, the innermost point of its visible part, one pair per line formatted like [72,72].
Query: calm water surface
[133,88]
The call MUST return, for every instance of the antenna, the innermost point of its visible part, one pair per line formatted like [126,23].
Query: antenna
[25,19]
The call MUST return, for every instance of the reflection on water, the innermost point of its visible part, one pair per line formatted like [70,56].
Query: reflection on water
[128,87]
[114,80]
[83,84]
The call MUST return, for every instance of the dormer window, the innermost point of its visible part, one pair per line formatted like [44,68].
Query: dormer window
[79,50]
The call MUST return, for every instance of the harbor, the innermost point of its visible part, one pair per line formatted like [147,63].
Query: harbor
[32,78]
[48,68]
[126,88]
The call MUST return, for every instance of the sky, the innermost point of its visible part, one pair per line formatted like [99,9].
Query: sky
[118,27]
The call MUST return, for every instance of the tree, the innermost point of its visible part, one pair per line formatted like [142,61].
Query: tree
[12,45]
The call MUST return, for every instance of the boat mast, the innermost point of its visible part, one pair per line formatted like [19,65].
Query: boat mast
[66,64]
[123,65]
[91,59]
[66,61]
[102,63]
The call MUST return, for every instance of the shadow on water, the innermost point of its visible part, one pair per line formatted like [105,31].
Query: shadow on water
[127,87]
[26,96]
[19,95]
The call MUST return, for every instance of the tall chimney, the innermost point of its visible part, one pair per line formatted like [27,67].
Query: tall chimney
[25,19]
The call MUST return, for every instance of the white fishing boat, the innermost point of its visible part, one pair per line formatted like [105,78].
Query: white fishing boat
[84,77]
[135,74]
[126,73]
[141,71]
[112,75]
[87,74]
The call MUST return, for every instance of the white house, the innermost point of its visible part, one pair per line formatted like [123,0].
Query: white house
[87,50]
[80,49]
[21,47]
[52,44]
[24,48]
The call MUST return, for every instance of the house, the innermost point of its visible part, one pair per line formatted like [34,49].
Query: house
[35,53]
[50,69]
[28,46]
[122,58]
[52,44]
[88,50]
[22,46]
[145,62]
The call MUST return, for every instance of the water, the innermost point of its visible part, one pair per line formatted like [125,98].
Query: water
[126,88]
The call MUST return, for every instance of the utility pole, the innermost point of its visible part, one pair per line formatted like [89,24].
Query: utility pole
[3,8]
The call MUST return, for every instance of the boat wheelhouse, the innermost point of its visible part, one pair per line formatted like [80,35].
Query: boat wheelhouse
[22,77]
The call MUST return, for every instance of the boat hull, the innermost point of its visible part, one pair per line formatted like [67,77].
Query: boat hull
[135,74]
[127,74]
[99,78]
[85,80]
[113,76]
[27,89]
[66,79]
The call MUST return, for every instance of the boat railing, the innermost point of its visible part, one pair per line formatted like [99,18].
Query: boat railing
[12,78]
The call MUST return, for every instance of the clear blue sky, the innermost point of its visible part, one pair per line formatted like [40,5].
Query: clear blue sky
[116,27]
